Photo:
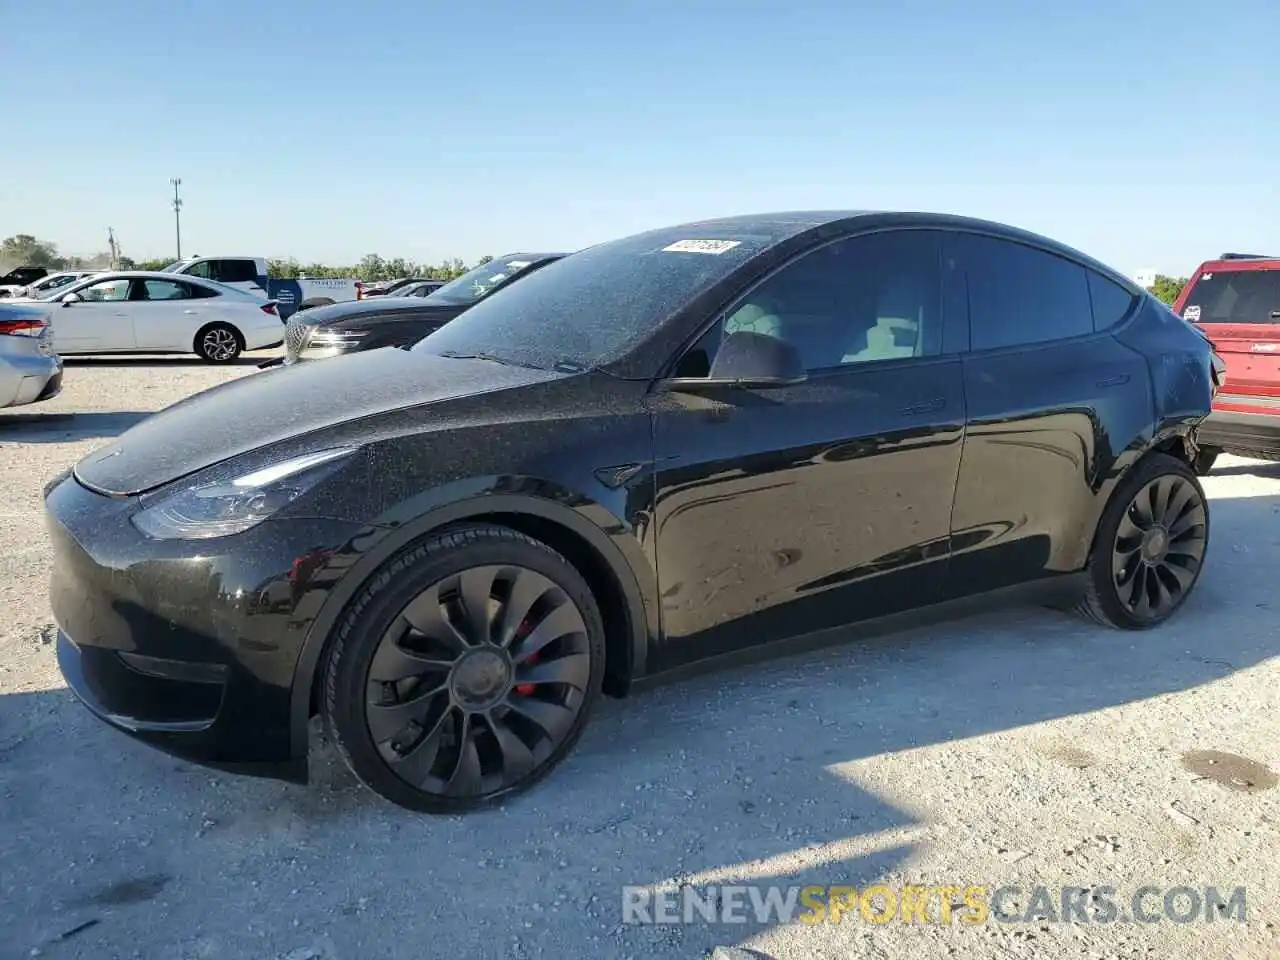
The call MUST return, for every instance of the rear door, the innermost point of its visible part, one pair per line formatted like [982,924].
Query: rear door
[1239,310]
[100,322]
[1053,399]
[165,315]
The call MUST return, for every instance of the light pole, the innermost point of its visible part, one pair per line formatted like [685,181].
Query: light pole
[177,213]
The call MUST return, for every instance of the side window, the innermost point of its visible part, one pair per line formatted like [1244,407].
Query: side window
[237,271]
[860,300]
[163,290]
[108,291]
[1021,295]
[194,291]
[203,269]
[1111,302]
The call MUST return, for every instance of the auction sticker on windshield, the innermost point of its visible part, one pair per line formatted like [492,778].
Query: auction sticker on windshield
[702,246]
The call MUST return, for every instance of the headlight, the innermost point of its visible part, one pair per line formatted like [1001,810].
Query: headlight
[329,343]
[233,506]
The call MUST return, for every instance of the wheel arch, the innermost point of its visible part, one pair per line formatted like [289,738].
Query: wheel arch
[1175,441]
[628,620]
[204,328]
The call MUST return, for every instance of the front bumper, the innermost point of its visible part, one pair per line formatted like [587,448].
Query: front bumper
[187,646]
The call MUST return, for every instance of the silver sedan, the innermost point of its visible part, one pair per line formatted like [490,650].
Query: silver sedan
[30,371]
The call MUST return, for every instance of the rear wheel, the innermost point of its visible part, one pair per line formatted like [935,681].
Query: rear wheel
[465,670]
[1149,548]
[219,343]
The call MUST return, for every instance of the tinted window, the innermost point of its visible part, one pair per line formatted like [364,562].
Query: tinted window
[236,271]
[204,268]
[854,301]
[1111,302]
[1235,296]
[163,290]
[1018,294]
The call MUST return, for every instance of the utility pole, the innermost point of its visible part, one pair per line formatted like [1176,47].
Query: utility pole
[177,213]
[114,248]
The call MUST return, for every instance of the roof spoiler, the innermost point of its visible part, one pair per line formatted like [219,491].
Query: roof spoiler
[1245,256]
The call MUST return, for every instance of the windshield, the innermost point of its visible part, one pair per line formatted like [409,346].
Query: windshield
[175,266]
[479,282]
[1235,296]
[590,308]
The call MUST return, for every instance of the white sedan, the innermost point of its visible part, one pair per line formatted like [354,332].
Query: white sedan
[149,312]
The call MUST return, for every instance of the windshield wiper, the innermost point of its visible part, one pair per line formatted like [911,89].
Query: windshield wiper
[454,355]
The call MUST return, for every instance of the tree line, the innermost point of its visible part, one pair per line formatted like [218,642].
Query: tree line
[24,250]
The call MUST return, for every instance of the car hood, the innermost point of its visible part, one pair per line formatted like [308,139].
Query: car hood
[375,311]
[266,408]
[416,313]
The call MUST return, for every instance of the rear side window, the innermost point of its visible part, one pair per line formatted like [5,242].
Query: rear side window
[236,271]
[1111,302]
[196,292]
[1021,295]
[1234,296]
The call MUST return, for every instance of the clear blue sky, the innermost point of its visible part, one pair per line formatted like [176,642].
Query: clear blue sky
[1146,133]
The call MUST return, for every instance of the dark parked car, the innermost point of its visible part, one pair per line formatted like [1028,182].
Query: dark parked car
[391,287]
[717,439]
[396,321]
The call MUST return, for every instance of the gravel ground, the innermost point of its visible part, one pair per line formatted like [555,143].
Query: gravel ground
[1020,747]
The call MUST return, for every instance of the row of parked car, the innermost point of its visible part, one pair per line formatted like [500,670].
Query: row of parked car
[605,468]
[180,311]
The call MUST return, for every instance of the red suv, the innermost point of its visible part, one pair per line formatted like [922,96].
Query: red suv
[1235,301]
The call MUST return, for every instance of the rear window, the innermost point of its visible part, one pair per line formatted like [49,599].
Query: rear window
[1234,296]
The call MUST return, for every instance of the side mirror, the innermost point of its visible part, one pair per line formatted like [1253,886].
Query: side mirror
[749,360]
[69,298]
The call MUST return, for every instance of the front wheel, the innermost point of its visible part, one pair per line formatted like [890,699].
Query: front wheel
[1149,547]
[219,343]
[465,670]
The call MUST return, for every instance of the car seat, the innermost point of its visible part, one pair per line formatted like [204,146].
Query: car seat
[896,332]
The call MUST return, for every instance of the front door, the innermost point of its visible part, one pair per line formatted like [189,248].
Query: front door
[782,512]
[101,321]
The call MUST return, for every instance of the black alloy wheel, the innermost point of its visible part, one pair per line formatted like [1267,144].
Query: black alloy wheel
[1150,546]
[473,668]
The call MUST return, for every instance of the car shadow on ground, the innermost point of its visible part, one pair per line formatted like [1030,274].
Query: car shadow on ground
[161,360]
[67,427]
[1254,468]
[748,775]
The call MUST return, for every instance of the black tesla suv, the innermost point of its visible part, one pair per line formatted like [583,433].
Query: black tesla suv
[713,440]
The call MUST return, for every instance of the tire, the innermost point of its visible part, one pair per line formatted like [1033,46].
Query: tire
[219,343]
[1160,491]
[1204,461]
[462,709]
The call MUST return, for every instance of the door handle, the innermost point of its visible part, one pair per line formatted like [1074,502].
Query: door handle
[1117,380]
[189,311]
[925,406]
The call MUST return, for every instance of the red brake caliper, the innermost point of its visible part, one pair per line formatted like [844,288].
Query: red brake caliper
[525,689]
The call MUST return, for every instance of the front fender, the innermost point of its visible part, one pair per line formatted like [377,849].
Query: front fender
[614,539]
